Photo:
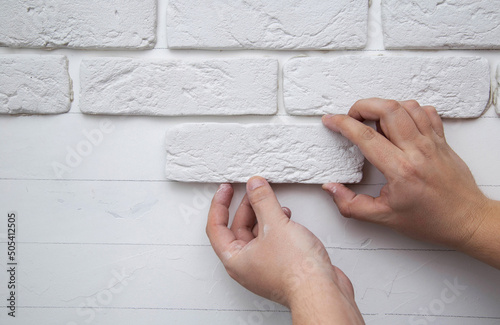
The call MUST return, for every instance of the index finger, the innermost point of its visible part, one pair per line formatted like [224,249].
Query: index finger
[219,234]
[375,147]
[396,123]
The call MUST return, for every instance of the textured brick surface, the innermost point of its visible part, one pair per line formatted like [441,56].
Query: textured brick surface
[281,153]
[441,24]
[34,84]
[78,23]
[457,86]
[160,87]
[287,24]
[498,91]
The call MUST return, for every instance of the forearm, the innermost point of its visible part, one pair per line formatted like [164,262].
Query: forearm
[322,302]
[484,244]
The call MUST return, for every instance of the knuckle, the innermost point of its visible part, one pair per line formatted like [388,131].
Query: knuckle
[359,102]
[208,228]
[345,209]
[368,133]
[230,270]
[426,147]
[407,170]
[259,194]
[432,109]
[392,105]
[412,104]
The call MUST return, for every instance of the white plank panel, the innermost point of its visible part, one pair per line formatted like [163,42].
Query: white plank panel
[130,150]
[139,277]
[147,213]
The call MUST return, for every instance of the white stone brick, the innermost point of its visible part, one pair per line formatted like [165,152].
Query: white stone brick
[497,99]
[34,84]
[272,24]
[457,86]
[459,24]
[169,88]
[297,153]
[78,24]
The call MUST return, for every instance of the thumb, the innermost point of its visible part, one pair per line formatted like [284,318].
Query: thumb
[263,201]
[358,206]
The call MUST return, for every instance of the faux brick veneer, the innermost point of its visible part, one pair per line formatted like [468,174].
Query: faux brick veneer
[160,87]
[282,153]
[276,25]
[498,90]
[465,24]
[78,23]
[456,86]
[34,84]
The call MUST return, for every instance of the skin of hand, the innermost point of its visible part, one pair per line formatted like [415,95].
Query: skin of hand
[430,193]
[279,259]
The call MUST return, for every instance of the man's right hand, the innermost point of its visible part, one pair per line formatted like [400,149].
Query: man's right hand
[430,193]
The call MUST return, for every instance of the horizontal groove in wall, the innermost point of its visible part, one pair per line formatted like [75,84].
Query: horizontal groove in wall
[208,245]
[174,182]
[243,310]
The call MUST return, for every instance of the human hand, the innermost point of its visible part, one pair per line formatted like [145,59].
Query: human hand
[279,259]
[430,192]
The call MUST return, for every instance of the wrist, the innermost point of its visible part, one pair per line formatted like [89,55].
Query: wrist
[469,213]
[311,287]
[483,241]
[321,299]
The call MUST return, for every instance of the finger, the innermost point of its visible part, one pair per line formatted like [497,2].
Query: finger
[395,121]
[358,206]
[379,128]
[255,230]
[219,234]
[287,212]
[435,119]
[244,221]
[374,146]
[263,201]
[344,282]
[419,116]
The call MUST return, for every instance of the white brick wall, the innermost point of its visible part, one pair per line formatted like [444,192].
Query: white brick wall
[275,25]
[456,86]
[169,88]
[112,207]
[281,153]
[463,24]
[34,84]
[78,23]
[497,98]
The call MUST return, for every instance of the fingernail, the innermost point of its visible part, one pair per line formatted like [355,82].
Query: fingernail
[328,122]
[255,183]
[330,188]
[327,116]
[223,187]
